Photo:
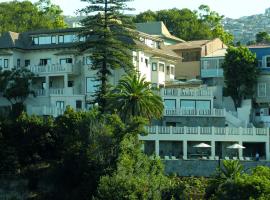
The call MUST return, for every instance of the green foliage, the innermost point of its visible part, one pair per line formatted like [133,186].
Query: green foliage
[231,183]
[240,73]
[262,37]
[137,176]
[15,87]
[189,25]
[108,41]
[185,188]
[133,96]
[24,16]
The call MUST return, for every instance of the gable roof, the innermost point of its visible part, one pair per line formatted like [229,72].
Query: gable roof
[158,29]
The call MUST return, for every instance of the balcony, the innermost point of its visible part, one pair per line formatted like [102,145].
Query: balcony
[195,112]
[45,110]
[206,134]
[211,73]
[54,92]
[188,92]
[52,69]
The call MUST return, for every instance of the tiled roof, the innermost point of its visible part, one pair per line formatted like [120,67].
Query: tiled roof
[188,45]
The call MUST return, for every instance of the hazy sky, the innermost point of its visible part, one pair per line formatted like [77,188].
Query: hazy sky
[229,8]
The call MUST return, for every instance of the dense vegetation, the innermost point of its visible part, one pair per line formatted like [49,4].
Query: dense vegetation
[189,25]
[21,16]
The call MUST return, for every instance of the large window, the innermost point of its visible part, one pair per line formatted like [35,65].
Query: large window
[60,104]
[191,56]
[1,64]
[69,38]
[53,39]
[196,104]
[268,61]
[65,60]
[45,40]
[261,89]
[91,85]
[26,63]
[170,103]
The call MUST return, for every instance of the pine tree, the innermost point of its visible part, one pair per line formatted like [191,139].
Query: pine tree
[108,39]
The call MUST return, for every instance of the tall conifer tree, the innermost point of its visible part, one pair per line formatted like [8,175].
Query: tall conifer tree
[108,39]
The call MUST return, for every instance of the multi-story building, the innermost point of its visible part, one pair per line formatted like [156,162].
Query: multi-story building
[191,53]
[262,96]
[63,73]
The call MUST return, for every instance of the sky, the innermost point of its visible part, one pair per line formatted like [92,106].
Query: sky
[228,8]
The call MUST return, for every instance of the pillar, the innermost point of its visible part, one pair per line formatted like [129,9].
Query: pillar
[157,147]
[240,151]
[267,151]
[213,148]
[65,81]
[184,149]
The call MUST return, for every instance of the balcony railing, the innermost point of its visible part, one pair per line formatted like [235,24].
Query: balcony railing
[211,73]
[195,112]
[45,110]
[198,92]
[54,91]
[223,131]
[53,68]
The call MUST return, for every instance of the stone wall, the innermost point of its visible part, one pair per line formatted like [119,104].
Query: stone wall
[202,167]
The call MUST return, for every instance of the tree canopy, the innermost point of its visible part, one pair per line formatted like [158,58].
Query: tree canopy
[240,73]
[108,41]
[24,16]
[262,37]
[189,25]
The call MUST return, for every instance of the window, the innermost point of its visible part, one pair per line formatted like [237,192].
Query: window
[69,38]
[161,67]
[88,60]
[43,85]
[26,63]
[170,103]
[172,71]
[1,64]
[60,39]
[78,104]
[45,40]
[35,40]
[188,104]
[191,56]
[146,62]
[168,70]
[53,39]
[6,63]
[60,104]
[91,84]
[43,62]
[206,64]
[203,105]
[18,63]
[268,61]
[70,83]
[141,59]
[261,89]
[154,66]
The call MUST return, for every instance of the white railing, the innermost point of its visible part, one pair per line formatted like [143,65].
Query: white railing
[208,131]
[56,91]
[195,112]
[39,92]
[206,73]
[53,68]
[198,92]
[45,110]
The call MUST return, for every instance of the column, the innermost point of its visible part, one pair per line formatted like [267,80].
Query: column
[240,151]
[267,151]
[213,149]
[47,85]
[65,81]
[157,147]
[184,149]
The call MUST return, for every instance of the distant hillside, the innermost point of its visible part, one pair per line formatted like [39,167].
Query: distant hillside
[245,28]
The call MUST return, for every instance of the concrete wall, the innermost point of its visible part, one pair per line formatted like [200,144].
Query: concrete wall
[187,70]
[201,167]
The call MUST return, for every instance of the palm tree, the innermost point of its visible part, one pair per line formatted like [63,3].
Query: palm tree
[133,97]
